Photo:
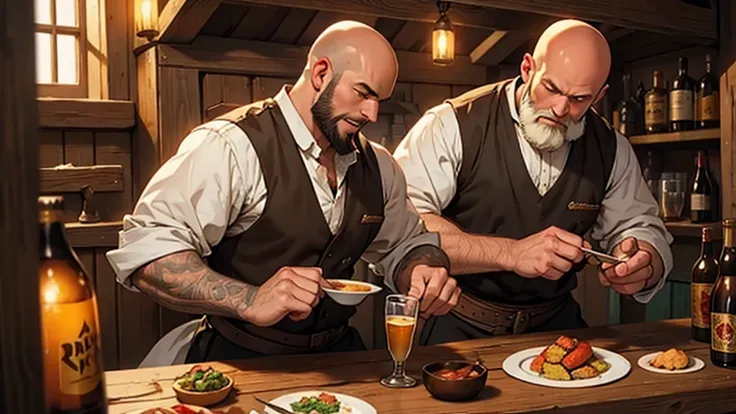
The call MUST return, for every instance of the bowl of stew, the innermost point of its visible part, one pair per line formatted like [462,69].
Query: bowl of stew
[349,292]
[454,380]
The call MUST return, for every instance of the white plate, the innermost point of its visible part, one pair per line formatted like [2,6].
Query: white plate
[695,364]
[517,366]
[356,404]
[192,407]
[350,298]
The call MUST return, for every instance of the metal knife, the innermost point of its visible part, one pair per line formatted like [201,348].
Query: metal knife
[606,258]
[273,406]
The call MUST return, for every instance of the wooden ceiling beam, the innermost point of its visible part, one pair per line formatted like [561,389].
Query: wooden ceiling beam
[287,61]
[181,20]
[417,10]
[497,47]
[669,17]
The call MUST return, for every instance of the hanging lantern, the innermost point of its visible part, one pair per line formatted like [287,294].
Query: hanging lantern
[145,23]
[443,38]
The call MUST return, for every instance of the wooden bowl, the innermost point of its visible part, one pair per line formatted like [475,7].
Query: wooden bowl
[453,390]
[206,398]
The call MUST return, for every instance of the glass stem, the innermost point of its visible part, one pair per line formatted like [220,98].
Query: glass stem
[399,369]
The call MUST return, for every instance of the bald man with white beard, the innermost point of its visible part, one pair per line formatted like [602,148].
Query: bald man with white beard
[258,207]
[514,174]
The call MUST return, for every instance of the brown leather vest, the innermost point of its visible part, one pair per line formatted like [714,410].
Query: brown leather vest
[292,230]
[496,196]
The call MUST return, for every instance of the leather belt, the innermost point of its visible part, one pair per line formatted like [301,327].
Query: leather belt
[500,319]
[270,341]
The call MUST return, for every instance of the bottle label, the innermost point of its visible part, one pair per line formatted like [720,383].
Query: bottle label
[681,105]
[655,109]
[723,336]
[699,202]
[708,108]
[72,347]
[701,304]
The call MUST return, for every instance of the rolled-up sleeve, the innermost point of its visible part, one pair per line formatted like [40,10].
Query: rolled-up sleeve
[187,205]
[402,229]
[630,210]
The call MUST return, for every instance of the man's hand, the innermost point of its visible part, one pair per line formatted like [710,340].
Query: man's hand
[291,291]
[436,290]
[642,269]
[549,254]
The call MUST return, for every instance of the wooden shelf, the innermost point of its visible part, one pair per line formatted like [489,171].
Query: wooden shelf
[102,178]
[687,229]
[685,136]
[102,234]
[85,113]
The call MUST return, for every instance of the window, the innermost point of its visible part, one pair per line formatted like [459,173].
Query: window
[61,69]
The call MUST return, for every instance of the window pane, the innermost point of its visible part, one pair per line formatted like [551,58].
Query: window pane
[43,11]
[66,54]
[43,58]
[66,13]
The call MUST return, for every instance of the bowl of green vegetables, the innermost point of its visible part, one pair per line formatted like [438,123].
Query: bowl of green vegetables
[202,386]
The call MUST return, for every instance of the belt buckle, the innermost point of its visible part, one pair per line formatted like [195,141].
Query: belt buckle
[319,339]
[521,322]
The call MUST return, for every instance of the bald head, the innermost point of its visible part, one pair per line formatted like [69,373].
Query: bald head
[575,48]
[358,48]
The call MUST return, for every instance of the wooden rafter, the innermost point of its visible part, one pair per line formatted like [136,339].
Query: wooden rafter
[416,10]
[497,47]
[181,20]
[278,60]
[669,17]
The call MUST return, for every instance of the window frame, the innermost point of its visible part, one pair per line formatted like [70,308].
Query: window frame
[55,90]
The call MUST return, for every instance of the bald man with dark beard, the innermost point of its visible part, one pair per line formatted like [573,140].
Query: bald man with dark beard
[514,174]
[260,206]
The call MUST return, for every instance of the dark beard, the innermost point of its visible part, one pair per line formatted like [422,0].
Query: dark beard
[323,111]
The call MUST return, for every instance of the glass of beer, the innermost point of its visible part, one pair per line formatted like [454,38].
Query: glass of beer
[401,317]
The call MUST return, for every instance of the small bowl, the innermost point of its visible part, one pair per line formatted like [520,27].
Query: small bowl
[206,398]
[453,390]
[350,298]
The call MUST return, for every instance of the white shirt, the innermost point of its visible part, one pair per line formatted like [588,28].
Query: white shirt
[214,187]
[431,156]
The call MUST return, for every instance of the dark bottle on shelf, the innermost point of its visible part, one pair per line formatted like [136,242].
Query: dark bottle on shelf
[682,100]
[655,106]
[704,275]
[723,302]
[701,192]
[627,109]
[708,113]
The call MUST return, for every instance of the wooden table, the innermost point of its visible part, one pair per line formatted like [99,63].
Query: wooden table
[710,390]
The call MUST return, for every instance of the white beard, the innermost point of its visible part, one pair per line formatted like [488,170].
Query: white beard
[545,137]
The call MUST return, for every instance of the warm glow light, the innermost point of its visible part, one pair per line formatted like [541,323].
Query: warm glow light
[146,25]
[443,38]
[146,14]
[51,293]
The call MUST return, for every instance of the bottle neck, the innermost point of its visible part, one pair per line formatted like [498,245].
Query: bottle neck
[701,160]
[657,82]
[706,249]
[728,237]
[54,244]
[683,68]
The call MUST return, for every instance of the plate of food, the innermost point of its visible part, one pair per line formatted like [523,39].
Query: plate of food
[202,386]
[174,409]
[567,363]
[321,402]
[671,361]
[349,292]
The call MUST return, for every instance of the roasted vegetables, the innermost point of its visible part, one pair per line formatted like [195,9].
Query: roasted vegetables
[202,380]
[323,404]
[568,359]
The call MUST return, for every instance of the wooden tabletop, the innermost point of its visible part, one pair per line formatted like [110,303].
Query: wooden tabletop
[710,390]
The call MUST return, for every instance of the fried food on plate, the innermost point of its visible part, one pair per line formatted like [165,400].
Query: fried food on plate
[671,359]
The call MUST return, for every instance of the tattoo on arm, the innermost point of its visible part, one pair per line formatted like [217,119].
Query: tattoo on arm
[423,255]
[183,282]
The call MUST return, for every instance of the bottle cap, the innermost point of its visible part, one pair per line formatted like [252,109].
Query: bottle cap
[51,203]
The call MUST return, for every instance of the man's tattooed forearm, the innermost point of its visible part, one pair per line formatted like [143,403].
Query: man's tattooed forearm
[426,255]
[183,282]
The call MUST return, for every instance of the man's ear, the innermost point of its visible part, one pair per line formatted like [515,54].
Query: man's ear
[527,67]
[601,94]
[320,73]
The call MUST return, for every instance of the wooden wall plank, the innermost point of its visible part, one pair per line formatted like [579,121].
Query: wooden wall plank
[458,90]
[324,19]
[51,148]
[264,87]
[728,135]
[211,92]
[428,96]
[236,89]
[85,113]
[278,60]
[87,257]
[108,308]
[260,22]
[169,319]
[102,178]
[380,131]
[179,102]
[138,326]
[79,148]
[102,234]
[114,148]
[119,48]
[293,25]
[147,139]
[97,85]
[224,20]
[21,355]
